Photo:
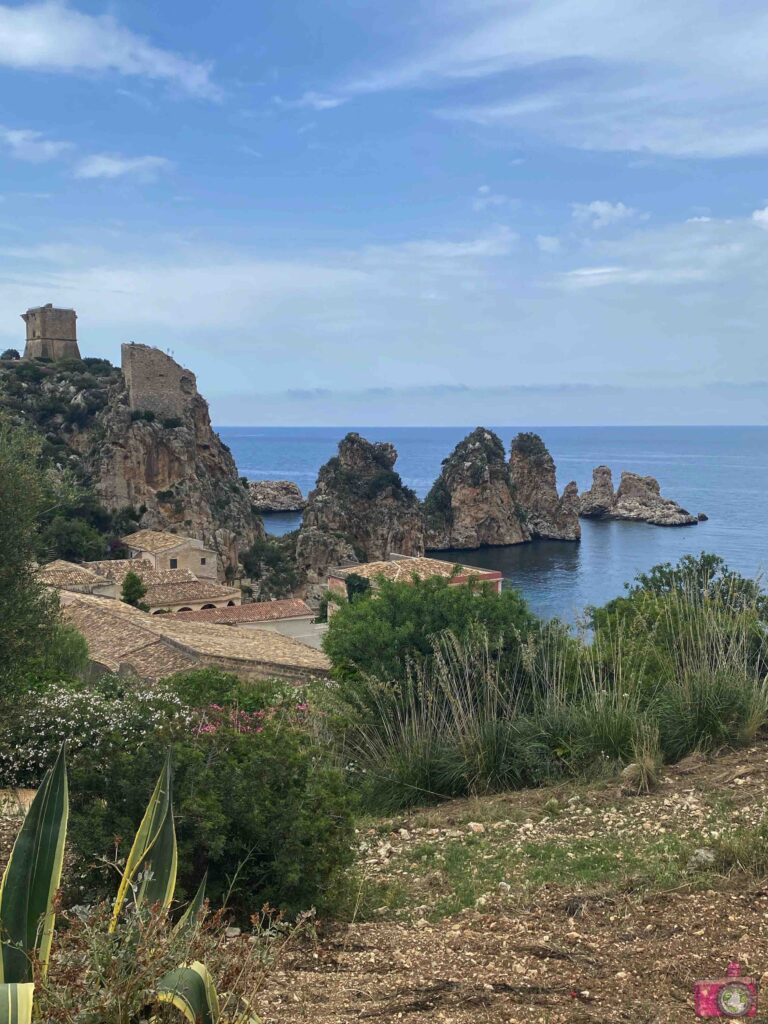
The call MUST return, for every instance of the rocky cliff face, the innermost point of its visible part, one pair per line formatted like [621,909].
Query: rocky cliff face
[471,504]
[638,499]
[276,496]
[359,508]
[156,448]
[533,478]
[139,437]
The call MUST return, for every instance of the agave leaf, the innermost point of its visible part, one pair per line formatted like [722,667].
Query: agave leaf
[32,876]
[191,990]
[16,1003]
[151,867]
[189,918]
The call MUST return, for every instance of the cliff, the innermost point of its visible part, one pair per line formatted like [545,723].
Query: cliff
[472,504]
[638,499]
[359,509]
[138,437]
[534,484]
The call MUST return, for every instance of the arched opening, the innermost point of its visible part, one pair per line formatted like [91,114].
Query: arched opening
[230,604]
[206,606]
[185,609]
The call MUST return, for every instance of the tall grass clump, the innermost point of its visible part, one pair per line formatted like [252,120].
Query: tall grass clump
[678,665]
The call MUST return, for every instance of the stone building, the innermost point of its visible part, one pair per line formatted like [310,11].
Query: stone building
[51,333]
[156,383]
[172,551]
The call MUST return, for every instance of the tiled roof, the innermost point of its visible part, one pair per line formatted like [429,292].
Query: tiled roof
[63,574]
[154,540]
[261,611]
[404,569]
[118,568]
[157,645]
[188,590]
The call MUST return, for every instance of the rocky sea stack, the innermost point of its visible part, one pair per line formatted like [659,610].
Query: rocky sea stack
[360,510]
[638,499]
[471,504]
[534,484]
[276,496]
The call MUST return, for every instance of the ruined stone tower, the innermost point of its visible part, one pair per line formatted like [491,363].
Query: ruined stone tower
[51,333]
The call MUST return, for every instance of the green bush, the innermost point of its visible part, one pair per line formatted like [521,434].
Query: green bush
[259,808]
[10,353]
[381,636]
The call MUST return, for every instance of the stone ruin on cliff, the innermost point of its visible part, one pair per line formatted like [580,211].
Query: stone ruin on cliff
[51,333]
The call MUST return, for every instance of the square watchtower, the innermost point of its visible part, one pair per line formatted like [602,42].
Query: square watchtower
[51,333]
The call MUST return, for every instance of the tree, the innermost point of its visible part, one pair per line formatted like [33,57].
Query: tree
[133,590]
[10,353]
[378,635]
[29,612]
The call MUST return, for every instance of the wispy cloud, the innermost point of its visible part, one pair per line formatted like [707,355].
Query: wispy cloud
[311,101]
[609,76]
[601,214]
[485,198]
[32,146]
[52,36]
[111,165]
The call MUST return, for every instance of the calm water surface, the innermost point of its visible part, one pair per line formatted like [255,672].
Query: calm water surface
[722,471]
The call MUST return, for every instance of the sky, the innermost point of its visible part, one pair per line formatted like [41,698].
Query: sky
[403,212]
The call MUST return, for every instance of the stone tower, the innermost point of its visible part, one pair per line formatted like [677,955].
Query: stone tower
[51,333]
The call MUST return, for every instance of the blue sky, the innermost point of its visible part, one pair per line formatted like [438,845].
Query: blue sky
[418,211]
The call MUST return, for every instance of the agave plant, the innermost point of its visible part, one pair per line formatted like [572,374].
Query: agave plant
[31,880]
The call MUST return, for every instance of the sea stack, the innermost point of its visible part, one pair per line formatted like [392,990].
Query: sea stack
[471,504]
[638,499]
[533,478]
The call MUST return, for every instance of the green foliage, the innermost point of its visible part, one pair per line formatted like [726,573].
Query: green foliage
[73,540]
[10,353]
[133,590]
[381,636]
[143,415]
[29,372]
[437,505]
[530,445]
[270,563]
[261,811]
[29,614]
[357,586]
[171,422]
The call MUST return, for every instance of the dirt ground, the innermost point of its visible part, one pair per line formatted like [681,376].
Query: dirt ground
[596,951]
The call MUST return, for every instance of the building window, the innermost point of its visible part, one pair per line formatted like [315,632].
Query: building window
[174,563]
[202,561]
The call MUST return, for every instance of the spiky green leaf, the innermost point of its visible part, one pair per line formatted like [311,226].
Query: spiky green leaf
[16,1003]
[150,870]
[189,918]
[32,876]
[191,990]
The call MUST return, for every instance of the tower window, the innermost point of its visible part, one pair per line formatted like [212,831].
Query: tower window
[174,563]
[202,561]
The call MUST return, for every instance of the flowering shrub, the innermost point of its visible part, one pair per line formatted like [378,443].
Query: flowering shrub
[94,723]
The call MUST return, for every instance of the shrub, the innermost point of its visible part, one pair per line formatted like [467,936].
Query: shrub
[133,590]
[379,637]
[73,540]
[10,353]
[95,722]
[171,422]
[260,808]
[271,564]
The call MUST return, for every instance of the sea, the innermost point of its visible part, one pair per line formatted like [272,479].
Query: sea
[721,471]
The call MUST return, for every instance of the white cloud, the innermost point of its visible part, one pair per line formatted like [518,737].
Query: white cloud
[111,165]
[32,146]
[487,199]
[52,36]
[601,214]
[760,217]
[548,243]
[312,101]
[609,76]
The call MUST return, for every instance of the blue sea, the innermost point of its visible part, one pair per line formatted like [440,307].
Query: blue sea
[722,471]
